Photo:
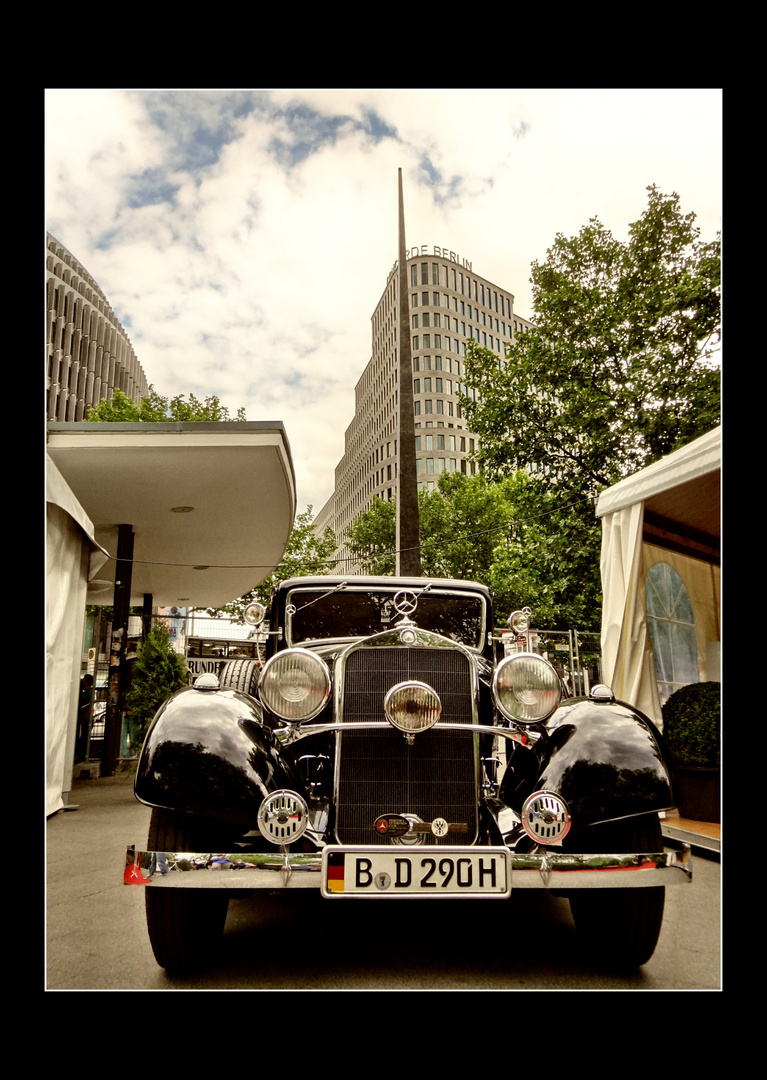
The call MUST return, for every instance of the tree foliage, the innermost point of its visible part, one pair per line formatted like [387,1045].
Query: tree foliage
[513,535]
[157,673]
[619,367]
[306,553]
[460,525]
[156,409]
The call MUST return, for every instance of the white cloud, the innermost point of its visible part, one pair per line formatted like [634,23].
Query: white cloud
[243,275]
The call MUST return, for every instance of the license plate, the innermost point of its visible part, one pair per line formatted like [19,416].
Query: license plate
[422,871]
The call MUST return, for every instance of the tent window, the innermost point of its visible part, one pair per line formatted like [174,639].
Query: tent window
[671,623]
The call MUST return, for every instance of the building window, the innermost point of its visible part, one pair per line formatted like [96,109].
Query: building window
[424,273]
[415,345]
[671,623]
[414,323]
[427,407]
[416,386]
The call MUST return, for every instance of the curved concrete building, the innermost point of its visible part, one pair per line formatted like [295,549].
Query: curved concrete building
[89,353]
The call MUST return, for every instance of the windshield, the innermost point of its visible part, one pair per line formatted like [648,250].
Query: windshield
[354,613]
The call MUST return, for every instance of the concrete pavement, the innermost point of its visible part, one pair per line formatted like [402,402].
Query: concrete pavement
[97,940]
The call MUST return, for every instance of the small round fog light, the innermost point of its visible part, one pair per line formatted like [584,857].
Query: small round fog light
[412,707]
[546,817]
[283,817]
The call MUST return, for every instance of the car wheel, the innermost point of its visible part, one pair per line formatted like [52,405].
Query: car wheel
[241,675]
[184,925]
[620,927]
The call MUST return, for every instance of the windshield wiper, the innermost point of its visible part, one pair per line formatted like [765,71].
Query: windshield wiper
[291,609]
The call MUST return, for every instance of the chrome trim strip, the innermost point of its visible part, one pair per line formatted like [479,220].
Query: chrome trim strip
[287,736]
[550,870]
[258,870]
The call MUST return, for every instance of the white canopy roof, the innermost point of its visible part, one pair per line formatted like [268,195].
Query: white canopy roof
[673,504]
[681,491]
[211,504]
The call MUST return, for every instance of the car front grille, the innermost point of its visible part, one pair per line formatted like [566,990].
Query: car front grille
[380,773]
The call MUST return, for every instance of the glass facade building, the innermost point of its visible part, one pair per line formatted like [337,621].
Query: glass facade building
[448,304]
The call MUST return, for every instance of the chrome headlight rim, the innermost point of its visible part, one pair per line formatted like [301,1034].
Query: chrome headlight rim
[273,678]
[505,696]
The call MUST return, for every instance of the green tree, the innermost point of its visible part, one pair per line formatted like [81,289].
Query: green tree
[619,368]
[157,673]
[371,537]
[514,535]
[155,408]
[306,554]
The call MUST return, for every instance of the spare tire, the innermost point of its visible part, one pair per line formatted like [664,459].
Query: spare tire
[242,675]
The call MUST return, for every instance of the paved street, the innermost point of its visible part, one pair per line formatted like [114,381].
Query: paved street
[97,940]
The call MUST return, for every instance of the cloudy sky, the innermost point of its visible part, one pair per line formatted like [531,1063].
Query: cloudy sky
[244,237]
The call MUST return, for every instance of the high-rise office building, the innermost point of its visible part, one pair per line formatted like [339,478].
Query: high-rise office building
[448,304]
[89,353]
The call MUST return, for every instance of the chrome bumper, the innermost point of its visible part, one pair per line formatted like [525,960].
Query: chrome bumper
[551,870]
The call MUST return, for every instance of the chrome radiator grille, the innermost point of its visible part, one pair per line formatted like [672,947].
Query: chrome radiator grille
[379,773]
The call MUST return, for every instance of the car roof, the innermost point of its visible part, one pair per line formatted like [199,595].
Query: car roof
[361,581]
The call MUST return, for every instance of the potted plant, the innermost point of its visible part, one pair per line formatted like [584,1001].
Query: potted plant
[691,726]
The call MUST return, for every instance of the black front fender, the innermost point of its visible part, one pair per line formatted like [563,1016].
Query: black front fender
[209,753]
[608,761]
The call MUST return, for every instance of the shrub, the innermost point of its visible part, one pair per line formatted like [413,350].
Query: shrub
[691,725]
[158,672]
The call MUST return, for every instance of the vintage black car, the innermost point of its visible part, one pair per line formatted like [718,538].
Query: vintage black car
[389,748]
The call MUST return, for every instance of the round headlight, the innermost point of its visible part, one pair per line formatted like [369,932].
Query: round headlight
[526,688]
[412,707]
[295,685]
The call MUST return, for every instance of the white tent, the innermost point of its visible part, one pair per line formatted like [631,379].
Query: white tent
[73,557]
[667,513]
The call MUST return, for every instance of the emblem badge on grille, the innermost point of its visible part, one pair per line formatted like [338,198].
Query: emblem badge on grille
[396,826]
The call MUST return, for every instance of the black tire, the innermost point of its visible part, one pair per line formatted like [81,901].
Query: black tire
[241,675]
[619,927]
[184,925]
